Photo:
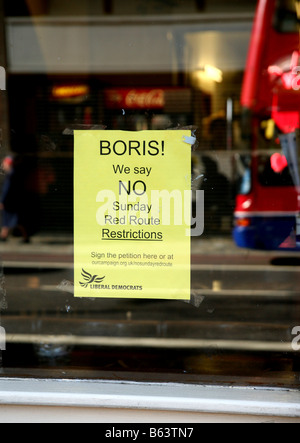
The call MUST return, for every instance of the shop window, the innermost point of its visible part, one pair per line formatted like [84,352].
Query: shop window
[163,67]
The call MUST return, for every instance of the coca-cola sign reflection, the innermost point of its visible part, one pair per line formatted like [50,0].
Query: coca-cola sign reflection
[135,98]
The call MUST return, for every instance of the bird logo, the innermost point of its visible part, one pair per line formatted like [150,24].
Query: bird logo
[89,279]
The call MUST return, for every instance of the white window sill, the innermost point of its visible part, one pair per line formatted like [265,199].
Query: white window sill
[126,396]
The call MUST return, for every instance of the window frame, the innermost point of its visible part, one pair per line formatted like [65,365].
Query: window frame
[239,403]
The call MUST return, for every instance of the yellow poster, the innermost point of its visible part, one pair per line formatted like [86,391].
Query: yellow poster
[132,210]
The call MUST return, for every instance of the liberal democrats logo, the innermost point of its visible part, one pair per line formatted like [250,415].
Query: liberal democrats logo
[90,279]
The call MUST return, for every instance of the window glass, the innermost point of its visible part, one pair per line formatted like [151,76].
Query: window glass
[154,65]
[286,17]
